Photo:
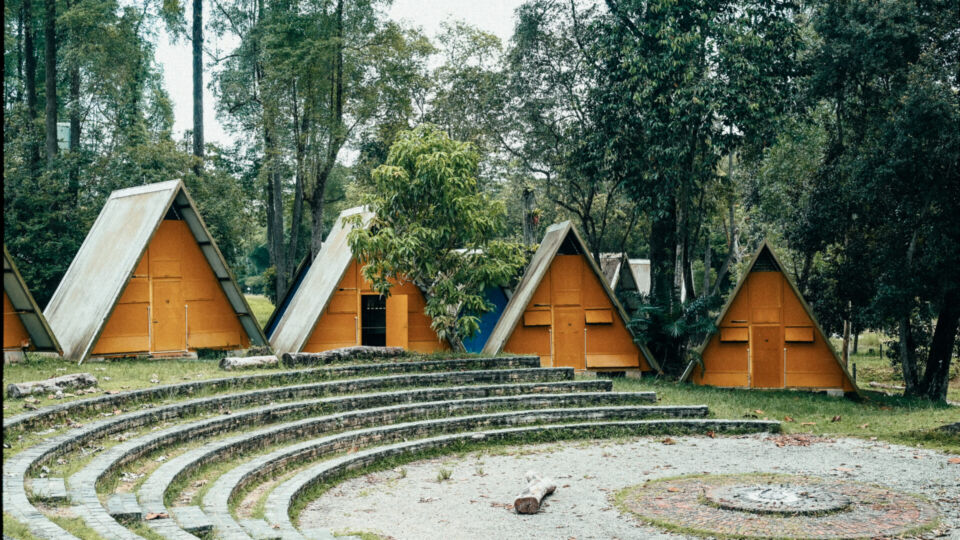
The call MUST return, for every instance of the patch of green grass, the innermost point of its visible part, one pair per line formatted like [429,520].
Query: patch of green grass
[363,535]
[891,418]
[16,529]
[262,307]
[76,526]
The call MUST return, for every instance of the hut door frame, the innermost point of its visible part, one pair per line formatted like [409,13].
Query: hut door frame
[766,363]
[169,325]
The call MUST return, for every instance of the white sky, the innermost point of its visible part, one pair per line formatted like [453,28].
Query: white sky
[494,16]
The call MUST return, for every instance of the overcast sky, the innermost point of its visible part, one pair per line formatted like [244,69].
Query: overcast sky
[494,16]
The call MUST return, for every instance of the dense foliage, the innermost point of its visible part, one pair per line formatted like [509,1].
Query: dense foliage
[684,131]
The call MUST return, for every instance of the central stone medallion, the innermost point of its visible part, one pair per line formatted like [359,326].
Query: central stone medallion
[796,499]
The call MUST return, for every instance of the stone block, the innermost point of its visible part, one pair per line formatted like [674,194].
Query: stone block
[50,489]
[124,507]
[193,520]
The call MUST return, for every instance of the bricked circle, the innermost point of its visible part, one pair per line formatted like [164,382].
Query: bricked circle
[740,506]
[780,498]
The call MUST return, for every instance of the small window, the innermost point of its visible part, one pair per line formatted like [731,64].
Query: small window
[599,316]
[734,334]
[536,318]
[803,334]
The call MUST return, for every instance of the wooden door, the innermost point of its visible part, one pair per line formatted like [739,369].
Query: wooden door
[568,338]
[168,316]
[766,352]
[398,334]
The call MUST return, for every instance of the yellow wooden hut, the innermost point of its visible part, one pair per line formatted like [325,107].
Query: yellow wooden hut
[24,326]
[331,305]
[149,279]
[564,311]
[768,337]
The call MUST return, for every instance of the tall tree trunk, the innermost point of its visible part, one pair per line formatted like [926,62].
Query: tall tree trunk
[856,340]
[198,83]
[707,252]
[74,112]
[275,242]
[30,84]
[529,226]
[318,196]
[937,374]
[908,360]
[50,68]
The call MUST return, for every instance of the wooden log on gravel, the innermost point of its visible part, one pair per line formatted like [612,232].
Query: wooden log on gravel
[230,363]
[55,384]
[339,355]
[528,501]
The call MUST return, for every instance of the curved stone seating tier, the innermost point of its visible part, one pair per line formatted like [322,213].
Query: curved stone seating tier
[17,467]
[153,491]
[110,402]
[317,425]
[217,499]
[280,501]
[82,485]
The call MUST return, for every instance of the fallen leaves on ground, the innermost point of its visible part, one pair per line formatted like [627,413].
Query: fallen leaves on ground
[954,461]
[836,418]
[796,439]
[787,419]
[808,423]
[668,440]
[156,515]
[865,426]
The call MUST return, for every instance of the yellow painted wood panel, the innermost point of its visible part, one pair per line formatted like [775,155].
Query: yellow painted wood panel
[338,325]
[397,319]
[598,316]
[765,298]
[193,311]
[540,317]
[15,336]
[734,334]
[566,274]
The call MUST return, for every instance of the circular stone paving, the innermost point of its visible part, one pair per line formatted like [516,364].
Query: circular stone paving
[786,498]
[776,506]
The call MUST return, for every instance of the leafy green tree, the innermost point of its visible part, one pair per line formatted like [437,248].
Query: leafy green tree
[888,186]
[435,228]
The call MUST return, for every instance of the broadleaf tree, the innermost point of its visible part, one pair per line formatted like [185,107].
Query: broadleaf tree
[435,228]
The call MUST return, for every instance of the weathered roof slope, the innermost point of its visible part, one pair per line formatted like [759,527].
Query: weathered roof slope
[766,250]
[555,236]
[85,298]
[30,315]
[303,310]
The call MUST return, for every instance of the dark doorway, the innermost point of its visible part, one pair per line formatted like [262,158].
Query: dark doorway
[373,317]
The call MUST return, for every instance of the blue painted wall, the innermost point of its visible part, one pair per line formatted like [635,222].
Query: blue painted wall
[498,298]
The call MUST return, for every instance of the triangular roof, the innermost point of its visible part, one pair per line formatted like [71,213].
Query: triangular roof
[764,255]
[640,270]
[555,237]
[296,322]
[89,291]
[616,268]
[41,336]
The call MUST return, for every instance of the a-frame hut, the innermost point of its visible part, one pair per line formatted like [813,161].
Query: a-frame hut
[640,268]
[149,279]
[621,279]
[564,311]
[24,326]
[768,337]
[333,306]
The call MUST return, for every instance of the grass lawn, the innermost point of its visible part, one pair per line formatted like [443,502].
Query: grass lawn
[889,418]
[262,307]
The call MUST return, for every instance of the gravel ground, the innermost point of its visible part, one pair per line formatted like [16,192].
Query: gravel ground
[411,503]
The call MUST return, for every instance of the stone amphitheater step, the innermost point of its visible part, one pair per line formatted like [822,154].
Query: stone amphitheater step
[83,483]
[110,402]
[154,489]
[217,499]
[17,467]
[281,499]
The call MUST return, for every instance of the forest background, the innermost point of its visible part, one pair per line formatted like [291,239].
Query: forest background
[682,131]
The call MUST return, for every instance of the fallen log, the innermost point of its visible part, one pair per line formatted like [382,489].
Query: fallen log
[339,355]
[248,362]
[55,384]
[528,501]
